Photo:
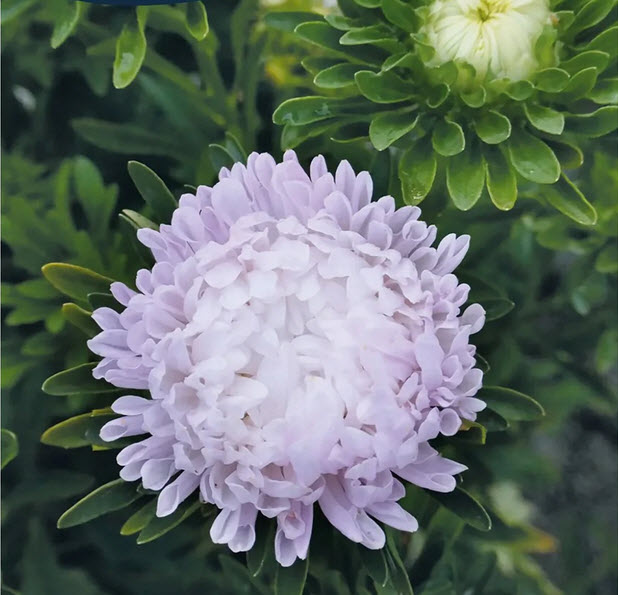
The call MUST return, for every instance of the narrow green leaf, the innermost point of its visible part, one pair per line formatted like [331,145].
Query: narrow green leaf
[544,118]
[66,18]
[196,20]
[263,546]
[448,138]
[465,506]
[104,300]
[472,432]
[591,13]
[496,308]
[398,575]
[337,76]
[130,54]
[112,496]
[383,87]
[291,580]
[74,281]
[158,526]
[492,127]
[375,563]
[598,123]
[388,127]
[136,522]
[568,199]
[9,447]
[78,431]
[511,404]
[501,179]
[75,381]
[153,190]
[138,221]
[465,178]
[532,158]
[288,21]
[219,157]
[492,421]
[417,171]
[80,318]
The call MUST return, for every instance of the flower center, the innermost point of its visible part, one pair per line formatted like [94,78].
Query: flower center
[488,9]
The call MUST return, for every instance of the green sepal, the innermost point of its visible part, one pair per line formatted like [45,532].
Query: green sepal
[364,35]
[551,80]
[337,76]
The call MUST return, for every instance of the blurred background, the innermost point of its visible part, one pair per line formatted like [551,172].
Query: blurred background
[67,134]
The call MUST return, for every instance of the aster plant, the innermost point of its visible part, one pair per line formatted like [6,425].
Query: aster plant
[479,96]
[295,345]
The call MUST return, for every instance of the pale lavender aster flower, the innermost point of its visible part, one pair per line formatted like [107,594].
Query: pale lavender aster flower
[301,344]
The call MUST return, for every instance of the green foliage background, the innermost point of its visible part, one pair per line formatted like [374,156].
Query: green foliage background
[196,94]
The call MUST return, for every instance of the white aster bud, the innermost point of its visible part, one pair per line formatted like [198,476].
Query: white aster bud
[496,37]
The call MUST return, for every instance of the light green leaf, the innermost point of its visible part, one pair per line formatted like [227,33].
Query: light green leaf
[80,318]
[196,20]
[363,35]
[544,118]
[383,87]
[110,497]
[501,179]
[593,58]
[466,507]
[605,41]
[580,85]
[591,13]
[159,526]
[492,127]
[532,158]
[551,80]
[401,14]
[511,404]
[388,127]
[136,522]
[417,171]
[75,381]
[288,21]
[568,199]
[9,447]
[138,221]
[74,281]
[336,77]
[66,18]
[448,138]
[465,178]
[598,123]
[306,110]
[291,580]
[153,190]
[606,91]
[78,431]
[130,54]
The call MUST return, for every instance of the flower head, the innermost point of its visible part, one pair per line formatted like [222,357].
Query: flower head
[301,344]
[496,37]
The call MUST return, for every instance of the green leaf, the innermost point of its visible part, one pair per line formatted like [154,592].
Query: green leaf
[448,138]
[591,13]
[97,201]
[383,87]
[80,318]
[159,526]
[501,179]
[511,404]
[606,91]
[74,281]
[363,35]
[532,158]
[136,522]
[125,139]
[9,447]
[263,546]
[104,300]
[110,497]
[593,58]
[568,199]
[66,18]
[388,127]
[417,171]
[607,259]
[472,432]
[401,14]
[398,575]
[76,381]
[544,118]
[306,110]
[465,506]
[78,431]
[605,42]
[465,178]
[551,80]
[130,54]
[138,221]
[291,580]
[153,190]
[492,127]
[492,421]
[196,20]
[374,561]
[579,85]
[336,77]
[288,21]
[598,123]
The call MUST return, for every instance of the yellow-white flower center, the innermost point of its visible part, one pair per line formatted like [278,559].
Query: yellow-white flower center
[496,37]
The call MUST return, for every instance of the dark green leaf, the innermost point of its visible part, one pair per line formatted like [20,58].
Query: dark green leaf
[511,404]
[501,179]
[492,127]
[75,381]
[196,20]
[104,300]
[552,80]
[9,447]
[388,127]
[598,123]
[466,507]
[375,563]
[417,171]
[568,199]
[337,76]
[112,496]
[263,546]
[136,522]
[74,281]
[532,158]
[288,21]
[363,35]
[306,110]
[579,85]
[605,42]
[384,87]
[448,138]
[79,431]
[544,118]
[291,580]
[606,91]
[591,13]
[80,318]
[492,421]
[465,178]
[401,14]
[153,190]
[593,58]
[160,525]
[398,575]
